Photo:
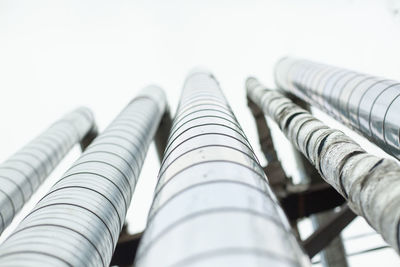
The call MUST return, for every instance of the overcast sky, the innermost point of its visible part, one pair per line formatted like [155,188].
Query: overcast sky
[57,55]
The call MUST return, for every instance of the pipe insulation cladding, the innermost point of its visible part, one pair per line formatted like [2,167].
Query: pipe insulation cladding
[213,206]
[23,172]
[367,104]
[77,223]
[370,184]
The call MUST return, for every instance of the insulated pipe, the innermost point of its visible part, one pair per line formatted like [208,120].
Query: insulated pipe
[213,205]
[369,183]
[77,223]
[22,173]
[368,104]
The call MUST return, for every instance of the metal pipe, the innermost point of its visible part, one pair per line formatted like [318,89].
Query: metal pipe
[77,223]
[23,172]
[368,104]
[334,254]
[369,183]
[213,205]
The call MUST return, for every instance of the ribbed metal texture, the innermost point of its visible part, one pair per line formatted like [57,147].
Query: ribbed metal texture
[22,173]
[77,223]
[368,104]
[370,184]
[213,206]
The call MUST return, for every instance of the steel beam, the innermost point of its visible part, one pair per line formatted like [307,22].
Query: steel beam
[89,137]
[274,171]
[307,201]
[162,133]
[327,232]
[125,251]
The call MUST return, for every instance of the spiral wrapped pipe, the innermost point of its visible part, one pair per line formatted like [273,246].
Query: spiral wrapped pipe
[213,205]
[22,173]
[369,183]
[77,223]
[367,104]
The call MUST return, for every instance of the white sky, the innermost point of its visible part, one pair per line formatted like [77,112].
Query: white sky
[56,55]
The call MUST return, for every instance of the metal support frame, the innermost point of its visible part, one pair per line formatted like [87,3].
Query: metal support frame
[161,137]
[125,251]
[89,137]
[274,171]
[327,232]
[313,199]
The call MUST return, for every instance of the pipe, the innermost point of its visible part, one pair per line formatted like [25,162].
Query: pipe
[370,184]
[367,104]
[23,172]
[77,223]
[213,205]
[334,254]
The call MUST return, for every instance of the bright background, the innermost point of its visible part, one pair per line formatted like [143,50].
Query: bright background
[56,55]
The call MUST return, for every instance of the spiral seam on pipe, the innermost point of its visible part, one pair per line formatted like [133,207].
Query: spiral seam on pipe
[209,173]
[366,103]
[369,183]
[23,172]
[77,223]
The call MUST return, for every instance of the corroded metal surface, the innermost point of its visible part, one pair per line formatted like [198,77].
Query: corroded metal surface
[23,172]
[77,223]
[370,184]
[368,104]
[213,205]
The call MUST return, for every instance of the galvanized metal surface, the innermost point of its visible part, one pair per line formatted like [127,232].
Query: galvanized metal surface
[369,183]
[334,254]
[368,104]
[23,172]
[78,222]
[213,205]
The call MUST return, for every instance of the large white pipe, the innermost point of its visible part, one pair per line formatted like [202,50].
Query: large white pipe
[213,206]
